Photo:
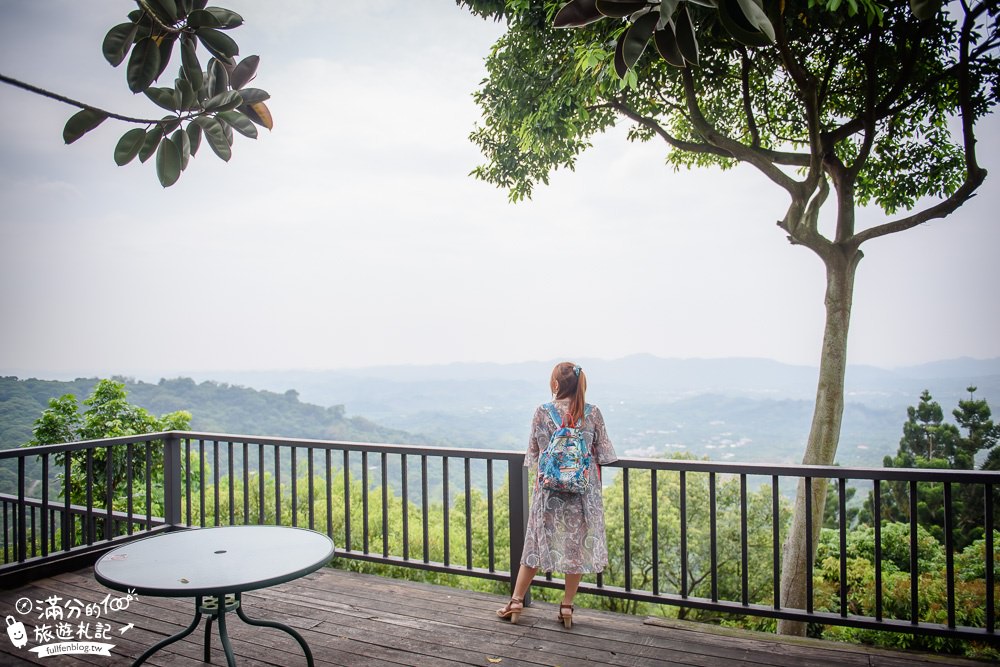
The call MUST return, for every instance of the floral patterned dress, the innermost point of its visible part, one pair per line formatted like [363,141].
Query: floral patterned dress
[566,530]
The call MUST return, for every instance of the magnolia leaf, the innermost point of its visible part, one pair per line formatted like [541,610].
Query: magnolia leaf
[169,8]
[143,65]
[189,63]
[224,101]
[925,10]
[193,131]
[736,24]
[667,9]
[218,78]
[118,41]
[239,122]
[757,17]
[200,18]
[666,45]
[258,113]
[226,18]
[215,136]
[128,146]
[219,44]
[244,72]
[181,139]
[168,163]
[637,36]
[164,97]
[169,123]
[81,123]
[165,10]
[576,13]
[687,41]
[166,51]
[151,143]
[254,95]
[621,68]
[185,94]
[227,130]
[620,8]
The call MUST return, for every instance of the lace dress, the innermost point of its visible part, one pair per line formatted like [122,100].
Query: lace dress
[566,530]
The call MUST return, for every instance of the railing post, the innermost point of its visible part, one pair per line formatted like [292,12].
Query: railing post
[517,476]
[22,514]
[172,480]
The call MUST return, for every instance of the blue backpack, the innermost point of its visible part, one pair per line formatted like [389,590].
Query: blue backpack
[564,466]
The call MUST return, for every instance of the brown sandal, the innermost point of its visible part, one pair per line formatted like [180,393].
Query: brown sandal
[567,619]
[508,610]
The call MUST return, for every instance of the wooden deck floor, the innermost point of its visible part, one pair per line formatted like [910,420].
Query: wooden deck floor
[362,620]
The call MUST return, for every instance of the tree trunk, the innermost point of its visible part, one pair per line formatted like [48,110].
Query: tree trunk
[824,435]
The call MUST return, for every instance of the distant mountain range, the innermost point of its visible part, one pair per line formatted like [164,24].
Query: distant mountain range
[633,376]
[728,409]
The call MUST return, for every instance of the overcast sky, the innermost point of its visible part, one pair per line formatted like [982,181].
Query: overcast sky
[352,234]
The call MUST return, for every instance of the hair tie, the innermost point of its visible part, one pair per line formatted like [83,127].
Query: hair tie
[576,370]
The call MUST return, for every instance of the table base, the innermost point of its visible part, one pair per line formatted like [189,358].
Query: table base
[216,608]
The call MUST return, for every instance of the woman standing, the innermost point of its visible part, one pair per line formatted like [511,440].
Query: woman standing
[565,530]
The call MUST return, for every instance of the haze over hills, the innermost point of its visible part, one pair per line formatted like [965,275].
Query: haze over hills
[727,409]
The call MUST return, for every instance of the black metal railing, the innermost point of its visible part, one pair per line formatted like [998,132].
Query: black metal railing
[683,530]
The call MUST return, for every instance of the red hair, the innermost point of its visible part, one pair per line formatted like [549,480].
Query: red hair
[569,381]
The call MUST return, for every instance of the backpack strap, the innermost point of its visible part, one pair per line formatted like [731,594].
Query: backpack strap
[558,420]
[553,414]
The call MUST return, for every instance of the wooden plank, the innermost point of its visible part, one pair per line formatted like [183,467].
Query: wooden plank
[358,620]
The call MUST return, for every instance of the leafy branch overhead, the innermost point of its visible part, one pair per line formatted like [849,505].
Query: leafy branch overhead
[671,24]
[207,103]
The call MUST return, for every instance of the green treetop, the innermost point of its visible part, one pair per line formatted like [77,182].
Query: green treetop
[108,415]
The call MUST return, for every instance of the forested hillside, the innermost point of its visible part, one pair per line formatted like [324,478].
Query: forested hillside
[214,407]
[726,409]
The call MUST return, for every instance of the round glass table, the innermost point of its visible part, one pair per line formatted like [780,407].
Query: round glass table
[215,566]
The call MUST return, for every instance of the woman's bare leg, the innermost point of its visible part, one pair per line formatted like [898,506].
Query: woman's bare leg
[524,576]
[515,606]
[572,584]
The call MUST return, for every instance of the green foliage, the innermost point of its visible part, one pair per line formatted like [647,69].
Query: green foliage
[216,98]
[930,442]
[218,94]
[896,591]
[265,492]
[982,435]
[831,508]
[773,78]
[760,583]
[668,23]
[108,415]
[221,408]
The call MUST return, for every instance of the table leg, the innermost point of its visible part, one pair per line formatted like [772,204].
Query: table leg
[217,608]
[170,640]
[273,624]
[224,634]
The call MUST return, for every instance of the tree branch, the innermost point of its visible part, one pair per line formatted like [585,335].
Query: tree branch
[758,158]
[975,175]
[747,107]
[155,18]
[655,127]
[66,100]
[868,114]
[940,210]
